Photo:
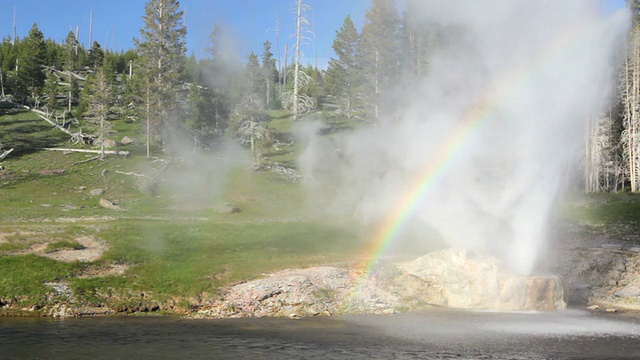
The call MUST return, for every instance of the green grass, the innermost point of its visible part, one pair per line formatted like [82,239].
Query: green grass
[605,208]
[23,277]
[173,239]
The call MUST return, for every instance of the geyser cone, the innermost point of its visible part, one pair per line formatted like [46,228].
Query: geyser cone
[473,282]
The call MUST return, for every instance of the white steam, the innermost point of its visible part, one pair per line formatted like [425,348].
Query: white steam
[509,94]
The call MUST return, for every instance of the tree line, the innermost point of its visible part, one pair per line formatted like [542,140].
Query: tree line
[173,95]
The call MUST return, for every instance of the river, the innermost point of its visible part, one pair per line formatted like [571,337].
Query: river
[437,334]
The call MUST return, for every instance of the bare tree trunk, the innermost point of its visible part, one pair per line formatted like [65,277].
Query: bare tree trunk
[278,48]
[148,123]
[286,53]
[102,134]
[296,80]
[70,85]
[377,85]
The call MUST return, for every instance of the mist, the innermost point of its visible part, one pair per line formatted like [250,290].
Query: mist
[497,125]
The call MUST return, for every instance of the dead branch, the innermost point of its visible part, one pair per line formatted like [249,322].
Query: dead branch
[64,73]
[109,152]
[131,174]
[5,153]
[87,160]
[75,137]
[44,117]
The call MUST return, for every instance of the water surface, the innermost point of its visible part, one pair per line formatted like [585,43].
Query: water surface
[439,334]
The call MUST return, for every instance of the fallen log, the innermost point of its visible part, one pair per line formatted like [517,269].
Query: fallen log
[108,152]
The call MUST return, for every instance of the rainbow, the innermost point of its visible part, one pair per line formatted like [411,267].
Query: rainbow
[471,121]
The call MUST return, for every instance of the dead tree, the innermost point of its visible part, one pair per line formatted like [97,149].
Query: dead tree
[603,170]
[630,97]
[75,137]
[301,24]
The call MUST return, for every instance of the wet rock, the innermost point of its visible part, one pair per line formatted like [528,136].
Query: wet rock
[577,292]
[471,282]
[597,267]
[630,291]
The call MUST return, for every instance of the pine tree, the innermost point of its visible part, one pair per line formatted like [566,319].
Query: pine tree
[100,98]
[70,61]
[224,76]
[343,74]
[31,75]
[51,90]
[269,74]
[379,52]
[254,92]
[96,55]
[162,49]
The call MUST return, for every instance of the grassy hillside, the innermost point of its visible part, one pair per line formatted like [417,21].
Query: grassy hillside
[175,241]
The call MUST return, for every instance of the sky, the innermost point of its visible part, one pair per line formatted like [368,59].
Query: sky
[252,22]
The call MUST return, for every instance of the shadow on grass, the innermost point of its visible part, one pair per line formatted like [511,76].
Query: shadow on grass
[28,136]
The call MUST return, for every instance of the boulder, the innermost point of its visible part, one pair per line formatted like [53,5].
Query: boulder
[96,192]
[110,143]
[127,140]
[110,205]
[471,282]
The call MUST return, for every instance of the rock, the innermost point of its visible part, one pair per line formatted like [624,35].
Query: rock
[593,307]
[289,293]
[612,246]
[577,292]
[52,172]
[473,283]
[611,310]
[579,285]
[629,291]
[110,205]
[227,208]
[127,140]
[110,143]
[96,192]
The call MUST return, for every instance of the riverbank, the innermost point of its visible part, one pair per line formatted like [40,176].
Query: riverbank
[594,272]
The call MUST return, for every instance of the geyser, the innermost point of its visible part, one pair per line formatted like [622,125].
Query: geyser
[480,154]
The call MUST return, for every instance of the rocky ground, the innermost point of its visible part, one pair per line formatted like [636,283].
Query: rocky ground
[602,272]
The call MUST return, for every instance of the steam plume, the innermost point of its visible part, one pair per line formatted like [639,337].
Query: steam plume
[490,132]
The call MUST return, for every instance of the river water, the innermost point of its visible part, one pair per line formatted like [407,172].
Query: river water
[437,334]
